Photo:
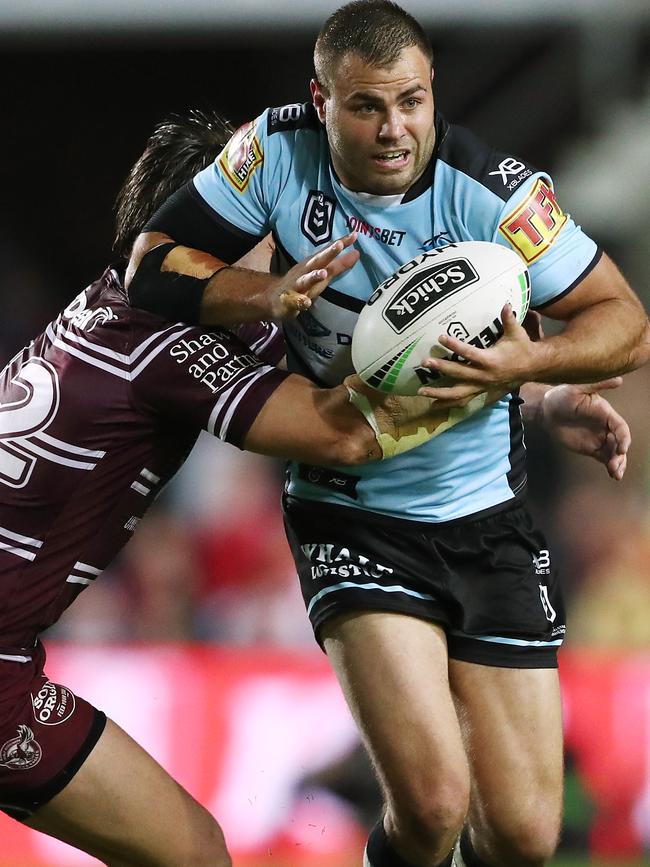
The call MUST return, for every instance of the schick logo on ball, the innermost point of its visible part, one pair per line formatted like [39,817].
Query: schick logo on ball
[427,287]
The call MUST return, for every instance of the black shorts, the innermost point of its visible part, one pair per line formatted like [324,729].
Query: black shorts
[490,581]
[46,734]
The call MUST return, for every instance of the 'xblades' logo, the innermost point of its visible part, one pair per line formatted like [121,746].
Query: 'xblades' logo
[318,217]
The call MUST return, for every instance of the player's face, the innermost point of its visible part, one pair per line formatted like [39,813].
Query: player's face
[379,122]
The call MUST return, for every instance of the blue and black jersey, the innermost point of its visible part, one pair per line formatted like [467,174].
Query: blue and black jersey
[276,176]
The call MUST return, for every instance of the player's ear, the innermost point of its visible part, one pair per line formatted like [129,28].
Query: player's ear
[318,97]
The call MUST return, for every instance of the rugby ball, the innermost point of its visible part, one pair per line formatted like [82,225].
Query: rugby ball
[459,289]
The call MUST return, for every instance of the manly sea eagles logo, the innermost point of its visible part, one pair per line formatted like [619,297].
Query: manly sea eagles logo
[427,287]
[318,217]
[21,753]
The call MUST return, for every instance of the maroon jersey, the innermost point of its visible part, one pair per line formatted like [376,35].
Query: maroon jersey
[96,415]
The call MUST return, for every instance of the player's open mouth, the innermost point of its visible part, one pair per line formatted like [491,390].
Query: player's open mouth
[392,159]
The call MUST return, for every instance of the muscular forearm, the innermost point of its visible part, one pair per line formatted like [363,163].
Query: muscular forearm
[608,339]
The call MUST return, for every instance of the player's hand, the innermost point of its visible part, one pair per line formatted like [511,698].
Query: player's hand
[295,291]
[503,366]
[584,422]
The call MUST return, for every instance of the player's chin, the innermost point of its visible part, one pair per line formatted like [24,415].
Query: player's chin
[390,182]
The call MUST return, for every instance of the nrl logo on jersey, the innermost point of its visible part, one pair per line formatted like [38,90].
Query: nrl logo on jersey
[241,157]
[318,217]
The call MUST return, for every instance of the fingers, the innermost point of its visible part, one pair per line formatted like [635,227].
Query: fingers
[603,385]
[325,257]
[450,396]
[295,302]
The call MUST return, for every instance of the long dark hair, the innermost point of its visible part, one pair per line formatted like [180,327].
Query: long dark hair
[180,147]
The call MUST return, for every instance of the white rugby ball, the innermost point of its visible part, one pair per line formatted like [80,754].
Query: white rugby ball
[459,289]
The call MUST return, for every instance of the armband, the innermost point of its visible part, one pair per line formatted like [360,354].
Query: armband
[170,294]
[403,423]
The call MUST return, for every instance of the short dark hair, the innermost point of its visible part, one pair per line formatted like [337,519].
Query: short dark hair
[180,147]
[377,30]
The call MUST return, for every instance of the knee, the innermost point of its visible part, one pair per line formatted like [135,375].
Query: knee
[207,848]
[430,815]
[530,841]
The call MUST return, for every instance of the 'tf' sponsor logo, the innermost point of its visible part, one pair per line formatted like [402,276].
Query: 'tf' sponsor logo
[426,288]
[533,226]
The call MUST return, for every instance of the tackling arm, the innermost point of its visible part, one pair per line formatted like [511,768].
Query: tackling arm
[346,425]
[189,285]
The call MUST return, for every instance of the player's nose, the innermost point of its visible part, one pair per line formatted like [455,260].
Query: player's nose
[392,128]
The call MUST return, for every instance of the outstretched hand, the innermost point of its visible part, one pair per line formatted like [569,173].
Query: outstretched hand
[584,422]
[294,291]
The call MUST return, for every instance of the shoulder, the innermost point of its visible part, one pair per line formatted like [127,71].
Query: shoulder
[291,118]
[497,171]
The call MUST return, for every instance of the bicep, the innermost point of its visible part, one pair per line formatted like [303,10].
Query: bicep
[305,423]
[603,283]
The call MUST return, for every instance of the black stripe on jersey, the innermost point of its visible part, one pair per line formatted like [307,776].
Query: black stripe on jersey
[356,305]
[516,475]
[590,267]
[282,260]
[462,150]
[189,220]
[286,118]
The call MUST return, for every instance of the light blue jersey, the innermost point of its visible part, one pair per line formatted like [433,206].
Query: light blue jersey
[276,175]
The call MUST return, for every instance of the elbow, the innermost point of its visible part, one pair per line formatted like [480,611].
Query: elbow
[644,345]
[356,447]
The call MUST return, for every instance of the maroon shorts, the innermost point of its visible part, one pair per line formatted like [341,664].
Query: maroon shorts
[46,734]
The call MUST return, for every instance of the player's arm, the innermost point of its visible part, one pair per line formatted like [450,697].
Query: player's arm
[345,425]
[607,333]
[186,284]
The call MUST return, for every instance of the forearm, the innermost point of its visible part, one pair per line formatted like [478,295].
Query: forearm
[229,295]
[607,339]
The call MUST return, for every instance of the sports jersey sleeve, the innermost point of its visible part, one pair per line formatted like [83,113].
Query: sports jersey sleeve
[207,379]
[264,338]
[557,252]
[243,184]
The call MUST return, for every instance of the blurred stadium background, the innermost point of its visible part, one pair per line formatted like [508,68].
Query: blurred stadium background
[196,640]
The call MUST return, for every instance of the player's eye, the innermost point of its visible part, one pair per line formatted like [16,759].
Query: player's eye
[411,102]
[367,108]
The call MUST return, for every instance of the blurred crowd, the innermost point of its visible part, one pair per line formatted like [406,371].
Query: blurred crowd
[210,561]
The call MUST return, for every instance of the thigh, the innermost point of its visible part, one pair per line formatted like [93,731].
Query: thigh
[393,671]
[122,807]
[512,725]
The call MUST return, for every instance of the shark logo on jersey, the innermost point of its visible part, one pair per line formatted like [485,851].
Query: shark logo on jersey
[426,288]
[439,240]
[318,217]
